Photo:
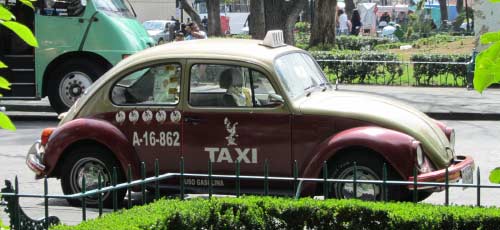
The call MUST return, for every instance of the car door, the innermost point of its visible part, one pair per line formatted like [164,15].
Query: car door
[147,101]
[231,116]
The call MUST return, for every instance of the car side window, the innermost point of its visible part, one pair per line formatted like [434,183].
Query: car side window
[264,93]
[228,86]
[149,86]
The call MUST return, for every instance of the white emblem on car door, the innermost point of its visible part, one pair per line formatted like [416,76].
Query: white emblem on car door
[161,116]
[120,117]
[231,138]
[133,116]
[175,116]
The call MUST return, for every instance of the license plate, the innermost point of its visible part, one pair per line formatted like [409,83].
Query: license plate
[467,175]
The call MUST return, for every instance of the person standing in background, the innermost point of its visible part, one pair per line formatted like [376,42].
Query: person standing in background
[343,23]
[355,23]
[204,23]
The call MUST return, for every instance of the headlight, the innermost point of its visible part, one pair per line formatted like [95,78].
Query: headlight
[420,155]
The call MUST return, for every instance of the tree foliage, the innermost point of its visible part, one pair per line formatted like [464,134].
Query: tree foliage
[8,20]
[495,176]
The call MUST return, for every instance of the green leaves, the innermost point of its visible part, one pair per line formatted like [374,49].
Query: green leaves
[495,176]
[22,31]
[490,37]
[487,69]
[27,3]
[5,122]
[4,84]
[5,15]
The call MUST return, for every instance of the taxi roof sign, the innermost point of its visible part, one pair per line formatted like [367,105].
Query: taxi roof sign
[274,38]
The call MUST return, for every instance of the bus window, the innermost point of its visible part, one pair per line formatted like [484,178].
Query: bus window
[70,8]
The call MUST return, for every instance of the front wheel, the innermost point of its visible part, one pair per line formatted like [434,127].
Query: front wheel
[368,167]
[70,80]
[90,162]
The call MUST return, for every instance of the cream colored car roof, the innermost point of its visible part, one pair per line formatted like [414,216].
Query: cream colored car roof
[234,49]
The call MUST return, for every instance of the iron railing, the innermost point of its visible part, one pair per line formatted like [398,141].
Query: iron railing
[19,219]
[396,72]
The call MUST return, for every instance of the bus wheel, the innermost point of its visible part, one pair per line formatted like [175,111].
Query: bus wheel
[70,80]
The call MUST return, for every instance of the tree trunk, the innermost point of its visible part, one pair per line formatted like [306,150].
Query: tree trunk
[349,7]
[256,19]
[323,27]
[444,10]
[195,17]
[214,28]
[282,15]
[460,6]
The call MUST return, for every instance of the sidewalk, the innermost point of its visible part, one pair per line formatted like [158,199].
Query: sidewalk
[439,103]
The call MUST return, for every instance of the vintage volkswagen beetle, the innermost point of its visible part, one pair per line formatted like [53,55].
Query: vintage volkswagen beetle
[229,100]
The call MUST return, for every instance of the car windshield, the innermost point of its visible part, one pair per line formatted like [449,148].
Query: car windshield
[154,25]
[116,7]
[299,72]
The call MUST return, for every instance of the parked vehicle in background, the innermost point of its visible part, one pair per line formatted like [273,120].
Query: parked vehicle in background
[248,101]
[79,40]
[158,30]
[233,15]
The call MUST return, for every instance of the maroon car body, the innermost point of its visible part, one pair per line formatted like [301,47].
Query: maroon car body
[120,122]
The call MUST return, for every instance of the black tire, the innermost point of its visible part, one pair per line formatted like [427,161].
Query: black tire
[92,160]
[369,167]
[77,74]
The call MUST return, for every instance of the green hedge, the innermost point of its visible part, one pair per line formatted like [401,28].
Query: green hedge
[360,72]
[433,41]
[393,73]
[285,213]
[345,42]
[425,73]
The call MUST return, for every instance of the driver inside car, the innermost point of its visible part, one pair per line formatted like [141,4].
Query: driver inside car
[236,95]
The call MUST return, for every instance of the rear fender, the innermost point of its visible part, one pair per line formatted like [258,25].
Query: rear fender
[394,147]
[85,129]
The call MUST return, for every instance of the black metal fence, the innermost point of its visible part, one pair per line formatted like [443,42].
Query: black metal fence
[19,220]
[399,73]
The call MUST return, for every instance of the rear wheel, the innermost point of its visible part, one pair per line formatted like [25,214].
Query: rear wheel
[90,162]
[70,80]
[368,167]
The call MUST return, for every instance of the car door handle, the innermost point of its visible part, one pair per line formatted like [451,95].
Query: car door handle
[193,120]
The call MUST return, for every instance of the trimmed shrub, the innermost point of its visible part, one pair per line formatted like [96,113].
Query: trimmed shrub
[285,213]
[345,42]
[425,72]
[378,71]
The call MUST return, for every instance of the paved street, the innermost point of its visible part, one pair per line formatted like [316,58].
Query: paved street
[477,138]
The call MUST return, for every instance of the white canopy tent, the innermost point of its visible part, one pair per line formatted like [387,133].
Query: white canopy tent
[367,11]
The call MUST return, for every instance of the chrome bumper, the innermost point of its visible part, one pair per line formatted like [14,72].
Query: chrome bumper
[34,159]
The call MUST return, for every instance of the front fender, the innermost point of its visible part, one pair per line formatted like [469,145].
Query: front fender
[395,147]
[85,129]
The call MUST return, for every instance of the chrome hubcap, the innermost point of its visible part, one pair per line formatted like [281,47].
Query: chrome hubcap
[72,86]
[91,169]
[363,191]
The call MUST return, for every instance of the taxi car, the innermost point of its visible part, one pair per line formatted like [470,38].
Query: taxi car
[247,101]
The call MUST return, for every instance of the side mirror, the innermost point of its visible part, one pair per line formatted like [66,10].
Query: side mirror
[275,99]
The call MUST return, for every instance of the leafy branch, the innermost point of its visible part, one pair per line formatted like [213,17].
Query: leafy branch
[8,20]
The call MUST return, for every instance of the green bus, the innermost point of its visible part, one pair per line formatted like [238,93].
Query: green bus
[79,40]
